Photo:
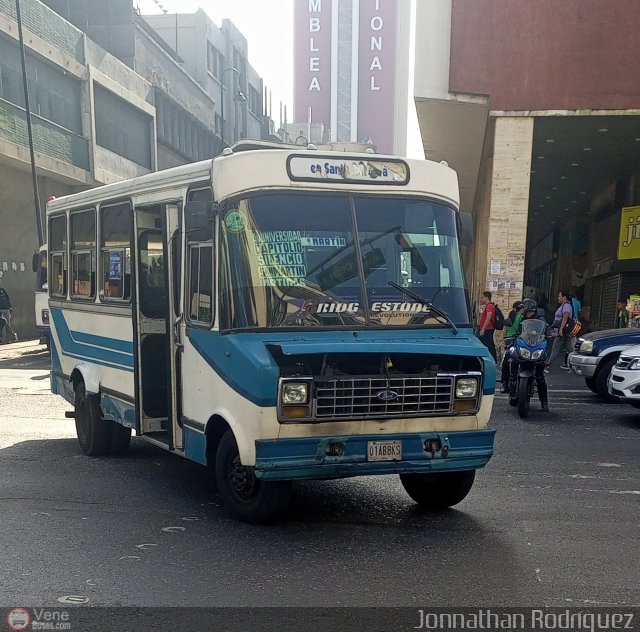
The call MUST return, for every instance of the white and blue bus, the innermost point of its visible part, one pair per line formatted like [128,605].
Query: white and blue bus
[276,314]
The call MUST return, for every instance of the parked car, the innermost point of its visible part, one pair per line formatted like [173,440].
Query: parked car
[596,354]
[624,381]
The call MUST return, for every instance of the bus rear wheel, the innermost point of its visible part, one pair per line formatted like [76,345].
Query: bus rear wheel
[439,490]
[93,433]
[245,496]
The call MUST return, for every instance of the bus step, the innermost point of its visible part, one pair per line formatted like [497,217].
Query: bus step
[70,414]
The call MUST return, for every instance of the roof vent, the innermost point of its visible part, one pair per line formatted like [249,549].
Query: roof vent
[227,151]
[311,147]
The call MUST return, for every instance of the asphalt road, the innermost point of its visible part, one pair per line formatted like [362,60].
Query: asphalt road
[553,520]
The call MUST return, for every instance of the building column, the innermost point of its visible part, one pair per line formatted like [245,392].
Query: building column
[507,211]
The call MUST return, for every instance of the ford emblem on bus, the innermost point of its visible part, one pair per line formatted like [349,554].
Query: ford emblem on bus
[387,396]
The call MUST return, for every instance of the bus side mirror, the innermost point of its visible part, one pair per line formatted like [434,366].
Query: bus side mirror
[466,229]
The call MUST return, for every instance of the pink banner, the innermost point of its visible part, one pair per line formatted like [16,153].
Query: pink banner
[312,61]
[376,71]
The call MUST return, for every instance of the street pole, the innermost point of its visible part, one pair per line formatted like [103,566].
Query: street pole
[224,72]
[34,174]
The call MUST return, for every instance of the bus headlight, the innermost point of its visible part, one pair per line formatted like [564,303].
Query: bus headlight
[466,388]
[295,393]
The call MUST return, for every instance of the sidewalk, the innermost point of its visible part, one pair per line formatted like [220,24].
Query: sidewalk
[12,350]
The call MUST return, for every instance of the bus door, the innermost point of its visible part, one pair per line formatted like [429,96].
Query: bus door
[157,320]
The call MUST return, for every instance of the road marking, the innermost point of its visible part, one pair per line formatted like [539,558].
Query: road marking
[145,546]
[73,599]
[174,529]
[129,557]
[538,575]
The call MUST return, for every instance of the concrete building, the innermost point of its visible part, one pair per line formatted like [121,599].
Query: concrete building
[351,60]
[217,58]
[110,99]
[537,106]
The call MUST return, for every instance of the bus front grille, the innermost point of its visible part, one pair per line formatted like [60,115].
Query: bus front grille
[381,397]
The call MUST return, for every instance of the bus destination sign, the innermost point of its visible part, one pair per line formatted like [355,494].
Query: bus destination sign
[348,170]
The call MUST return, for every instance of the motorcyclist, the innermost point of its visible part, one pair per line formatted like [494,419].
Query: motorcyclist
[530,310]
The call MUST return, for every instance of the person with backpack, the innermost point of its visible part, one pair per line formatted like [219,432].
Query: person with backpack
[491,320]
[516,315]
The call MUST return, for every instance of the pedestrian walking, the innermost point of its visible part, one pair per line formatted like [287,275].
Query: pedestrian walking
[6,309]
[563,323]
[487,324]
[622,314]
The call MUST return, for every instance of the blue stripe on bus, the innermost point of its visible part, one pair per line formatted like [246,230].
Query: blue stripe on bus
[95,349]
[244,363]
[249,369]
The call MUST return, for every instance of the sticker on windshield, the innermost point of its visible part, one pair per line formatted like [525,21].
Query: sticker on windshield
[334,242]
[235,222]
[280,258]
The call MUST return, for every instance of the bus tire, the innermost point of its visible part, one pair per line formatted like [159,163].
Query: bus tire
[120,439]
[93,432]
[246,497]
[439,490]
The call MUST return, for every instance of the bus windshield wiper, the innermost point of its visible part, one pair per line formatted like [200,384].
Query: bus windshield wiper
[432,308]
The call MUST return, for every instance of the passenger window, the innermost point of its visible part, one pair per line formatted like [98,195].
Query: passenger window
[83,254]
[200,304]
[58,256]
[115,245]
[201,283]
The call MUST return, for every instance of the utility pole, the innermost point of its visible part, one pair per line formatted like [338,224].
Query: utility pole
[25,84]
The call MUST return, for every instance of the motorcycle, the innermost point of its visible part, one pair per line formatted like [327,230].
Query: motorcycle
[528,351]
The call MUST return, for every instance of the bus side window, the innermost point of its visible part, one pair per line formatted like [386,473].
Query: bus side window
[200,303]
[200,288]
[58,256]
[115,245]
[83,254]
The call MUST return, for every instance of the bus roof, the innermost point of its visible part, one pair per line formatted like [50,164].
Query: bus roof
[267,166]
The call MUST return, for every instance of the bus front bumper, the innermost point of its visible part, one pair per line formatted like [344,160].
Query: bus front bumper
[344,456]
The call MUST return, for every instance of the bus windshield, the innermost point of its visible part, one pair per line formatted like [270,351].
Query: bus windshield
[321,260]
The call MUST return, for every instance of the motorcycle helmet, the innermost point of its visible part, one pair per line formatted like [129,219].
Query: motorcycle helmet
[529,305]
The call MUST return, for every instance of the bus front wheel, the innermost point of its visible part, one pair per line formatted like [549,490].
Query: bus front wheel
[439,490]
[93,433]
[246,497]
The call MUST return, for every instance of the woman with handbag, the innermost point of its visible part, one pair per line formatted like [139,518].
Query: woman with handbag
[563,325]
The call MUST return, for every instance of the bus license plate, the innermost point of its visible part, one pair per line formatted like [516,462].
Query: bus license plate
[384,450]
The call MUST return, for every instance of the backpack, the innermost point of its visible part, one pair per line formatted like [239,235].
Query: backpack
[571,324]
[498,323]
